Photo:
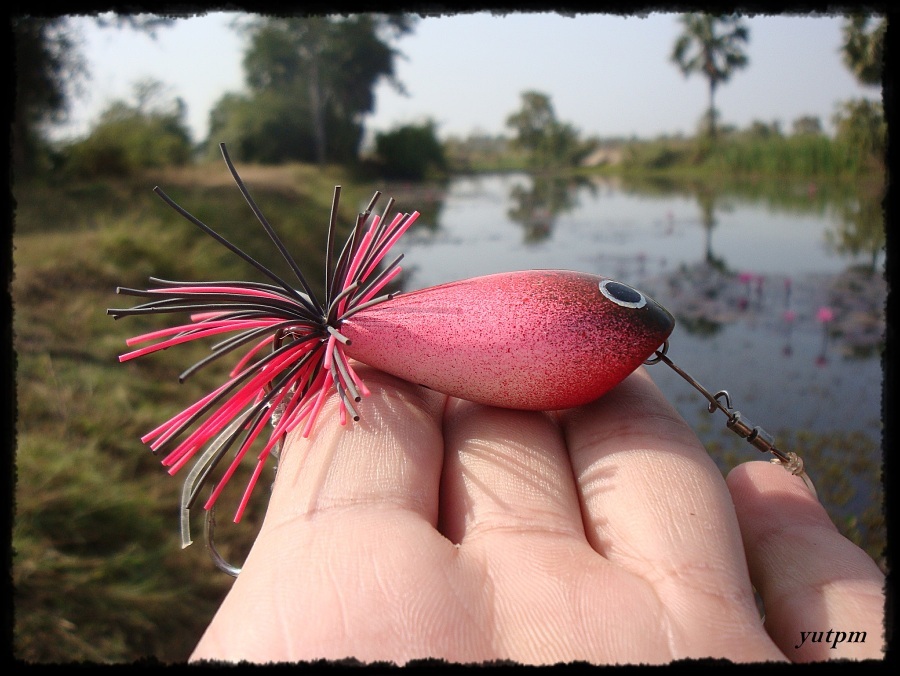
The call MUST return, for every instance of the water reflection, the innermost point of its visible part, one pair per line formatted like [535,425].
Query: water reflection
[706,198]
[860,230]
[537,206]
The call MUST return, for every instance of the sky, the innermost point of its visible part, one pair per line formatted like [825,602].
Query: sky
[609,76]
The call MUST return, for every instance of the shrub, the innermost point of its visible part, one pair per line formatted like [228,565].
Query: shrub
[130,137]
[410,152]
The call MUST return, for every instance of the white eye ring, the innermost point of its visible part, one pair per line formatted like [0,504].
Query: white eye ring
[622,294]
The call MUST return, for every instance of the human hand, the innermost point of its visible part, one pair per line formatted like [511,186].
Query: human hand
[441,528]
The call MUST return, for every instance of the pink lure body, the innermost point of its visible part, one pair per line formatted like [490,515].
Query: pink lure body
[537,340]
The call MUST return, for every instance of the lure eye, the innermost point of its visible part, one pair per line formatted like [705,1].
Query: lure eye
[622,294]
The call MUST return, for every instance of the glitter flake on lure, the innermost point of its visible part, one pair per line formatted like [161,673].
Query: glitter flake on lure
[539,340]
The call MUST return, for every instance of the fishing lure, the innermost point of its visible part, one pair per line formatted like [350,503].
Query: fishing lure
[536,340]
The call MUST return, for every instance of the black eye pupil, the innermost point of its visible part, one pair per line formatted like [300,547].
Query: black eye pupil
[623,293]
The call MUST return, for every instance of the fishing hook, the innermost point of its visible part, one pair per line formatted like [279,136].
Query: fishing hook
[218,559]
[753,434]
[210,523]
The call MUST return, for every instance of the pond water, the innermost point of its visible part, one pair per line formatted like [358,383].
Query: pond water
[776,299]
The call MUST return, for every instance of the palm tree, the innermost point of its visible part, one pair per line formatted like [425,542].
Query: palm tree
[712,46]
[863,48]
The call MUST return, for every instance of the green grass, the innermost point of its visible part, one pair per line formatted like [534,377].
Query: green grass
[740,155]
[787,156]
[98,570]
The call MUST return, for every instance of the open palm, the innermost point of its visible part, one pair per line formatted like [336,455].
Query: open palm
[441,528]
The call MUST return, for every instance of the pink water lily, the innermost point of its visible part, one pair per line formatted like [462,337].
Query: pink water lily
[825,314]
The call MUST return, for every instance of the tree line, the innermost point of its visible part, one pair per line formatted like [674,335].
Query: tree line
[310,84]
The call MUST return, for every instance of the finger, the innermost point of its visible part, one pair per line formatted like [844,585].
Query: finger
[391,456]
[350,521]
[655,503]
[505,471]
[810,577]
[508,499]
